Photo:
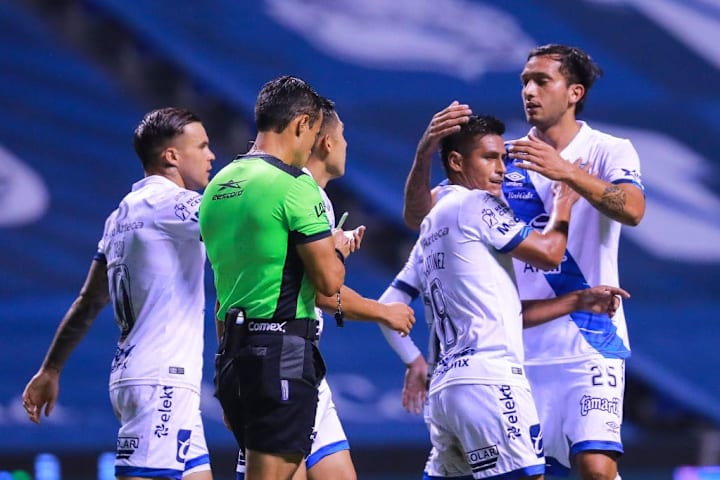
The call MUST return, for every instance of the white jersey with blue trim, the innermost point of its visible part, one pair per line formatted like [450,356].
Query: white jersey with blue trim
[156,268]
[591,256]
[471,286]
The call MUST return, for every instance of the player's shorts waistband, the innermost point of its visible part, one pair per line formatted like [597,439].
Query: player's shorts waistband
[236,320]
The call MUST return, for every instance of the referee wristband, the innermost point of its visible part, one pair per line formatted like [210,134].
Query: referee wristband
[340,256]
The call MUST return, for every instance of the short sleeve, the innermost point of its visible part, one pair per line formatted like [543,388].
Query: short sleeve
[622,164]
[305,211]
[485,218]
[180,215]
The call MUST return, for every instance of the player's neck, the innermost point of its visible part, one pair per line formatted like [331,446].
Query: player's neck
[275,144]
[171,173]
[561,133]
[318,172]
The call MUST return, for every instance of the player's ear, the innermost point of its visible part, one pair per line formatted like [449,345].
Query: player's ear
[326,142]
[455,161]
[577,92]
[301,124]
[170,156]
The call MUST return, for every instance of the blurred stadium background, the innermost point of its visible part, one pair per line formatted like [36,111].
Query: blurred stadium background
[76,77]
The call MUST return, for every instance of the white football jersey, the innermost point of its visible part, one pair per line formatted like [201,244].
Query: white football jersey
[592,254]
[471,286]
[155,263]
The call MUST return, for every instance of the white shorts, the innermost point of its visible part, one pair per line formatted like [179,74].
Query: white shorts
[328,434]
[484,431]
[161,432]
[580,405]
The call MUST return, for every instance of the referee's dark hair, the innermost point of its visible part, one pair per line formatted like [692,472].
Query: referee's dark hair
[283,99]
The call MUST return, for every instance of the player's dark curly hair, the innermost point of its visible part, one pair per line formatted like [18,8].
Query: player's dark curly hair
[464,141]
[576,65]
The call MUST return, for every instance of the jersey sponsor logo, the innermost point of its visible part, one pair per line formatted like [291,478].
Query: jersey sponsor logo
[120,360]
[588,403]
[320,209]
[553,271]
[233,187]
[436,235]
[488,217]
[539,222]
[536,437]
[613,427]
[182,211]
[444,366]
[483,458]
[520,195]
[165,410]
[503,210]
[514,178]
[455,360]
[508,409]
[120,228]
[183,445]
[505,227]
[266,327]
[126,446]
[176,370]
[634,174]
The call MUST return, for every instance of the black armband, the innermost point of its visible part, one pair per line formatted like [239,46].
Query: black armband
[340,256]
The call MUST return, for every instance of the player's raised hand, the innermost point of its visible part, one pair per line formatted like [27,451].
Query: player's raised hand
[601,299]
[534,154]
[399,317]
[446,122]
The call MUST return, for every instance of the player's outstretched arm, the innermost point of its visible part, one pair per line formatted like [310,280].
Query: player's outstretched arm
[624,203]
[43,388]
[600,299]
[418,201]
[396,316]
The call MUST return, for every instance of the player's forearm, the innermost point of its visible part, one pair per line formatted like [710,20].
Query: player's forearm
[418,201]
[355,306]
[554,236]
[623,203]
[537,312]
[73,328]
[403,346]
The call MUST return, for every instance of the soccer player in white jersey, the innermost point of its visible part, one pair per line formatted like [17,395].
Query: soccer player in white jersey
[480,402]
[480,408]
[576,366]
[330,452]
[150,265]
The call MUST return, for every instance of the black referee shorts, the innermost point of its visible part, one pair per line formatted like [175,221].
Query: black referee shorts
[267,386]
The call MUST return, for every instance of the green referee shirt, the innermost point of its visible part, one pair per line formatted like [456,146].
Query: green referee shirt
[253,214]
